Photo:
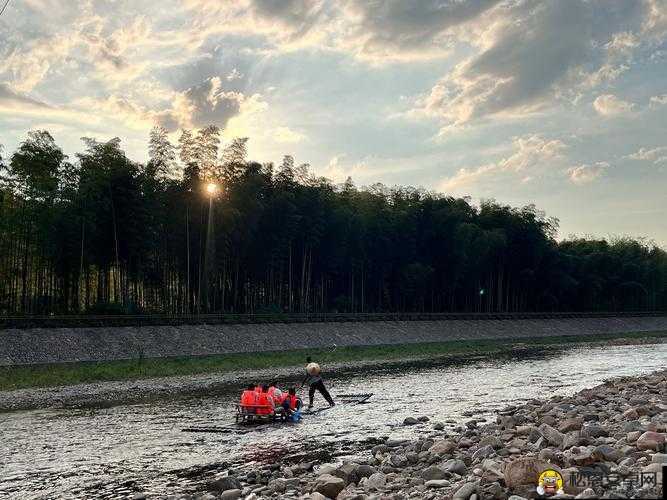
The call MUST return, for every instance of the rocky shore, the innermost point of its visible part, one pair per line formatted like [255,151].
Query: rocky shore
[606,442]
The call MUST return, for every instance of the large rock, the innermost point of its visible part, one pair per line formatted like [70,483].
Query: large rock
[364,470]
[553,436]
[608,453]
[583,455]
[571,424]
[328,485]
[483,452]
[398,460]
[572,438]
[442,447]
[594,431]
[278,485]
[437,483]
[464,492]
[456,466]
[434,472]
[348,473]
[224,484]
[231,494]
[492,441]
[410,421]
[525,471]
[651,441]
[492,490]
[376,481]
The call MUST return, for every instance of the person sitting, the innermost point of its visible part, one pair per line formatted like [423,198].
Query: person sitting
[273,386]
[249,396]
[278,397]
[292,404]
[264,402]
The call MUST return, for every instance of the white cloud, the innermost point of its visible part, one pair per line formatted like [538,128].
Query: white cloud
[658,100]
[655,155]
[622,43]
[531,155]
[234,74]
[532,53]
[287,135]
[583,174]
[610,105]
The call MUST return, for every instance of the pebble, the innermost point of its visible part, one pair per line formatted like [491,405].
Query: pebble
[618,427]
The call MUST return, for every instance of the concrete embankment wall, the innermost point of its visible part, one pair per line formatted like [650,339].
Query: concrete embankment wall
[57,345]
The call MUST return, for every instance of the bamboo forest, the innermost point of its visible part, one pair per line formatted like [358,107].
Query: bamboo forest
[201,228]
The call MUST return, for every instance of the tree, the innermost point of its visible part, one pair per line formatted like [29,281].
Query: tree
[105,234]
[206,151]
[186,148]
[36,166]
[162,154]
[233,159]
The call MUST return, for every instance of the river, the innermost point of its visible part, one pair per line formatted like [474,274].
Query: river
[105,452]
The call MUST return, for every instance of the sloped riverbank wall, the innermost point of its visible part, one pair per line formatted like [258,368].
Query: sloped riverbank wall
[58,345]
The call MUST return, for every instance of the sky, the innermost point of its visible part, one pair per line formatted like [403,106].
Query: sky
[561,104]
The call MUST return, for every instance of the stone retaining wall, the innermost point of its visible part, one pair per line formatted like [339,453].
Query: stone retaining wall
[57,345]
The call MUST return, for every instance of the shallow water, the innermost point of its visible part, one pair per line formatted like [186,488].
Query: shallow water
[114,451]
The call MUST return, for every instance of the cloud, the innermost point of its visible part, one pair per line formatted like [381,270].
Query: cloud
[655,155]
[12,101]
[583,174]
[530,54]
[658,100]
[609,105]
[287,135]
[234,74]
[17,104]
[397,30]
[204,104]
[531,155]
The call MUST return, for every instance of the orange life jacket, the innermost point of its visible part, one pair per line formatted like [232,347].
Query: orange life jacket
[264,404]
[258,389]
[279,400]
[248,398]
[292,401]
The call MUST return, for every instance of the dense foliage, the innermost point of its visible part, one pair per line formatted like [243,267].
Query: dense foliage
[103,233]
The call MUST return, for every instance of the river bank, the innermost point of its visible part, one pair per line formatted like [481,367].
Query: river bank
[606,442]
[100,384]
[38,346]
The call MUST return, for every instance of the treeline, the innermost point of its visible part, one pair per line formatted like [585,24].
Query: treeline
[100,233]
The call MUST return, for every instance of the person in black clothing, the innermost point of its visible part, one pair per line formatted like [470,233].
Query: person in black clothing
[314,379]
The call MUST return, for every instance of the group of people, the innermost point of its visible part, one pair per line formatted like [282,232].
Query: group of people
[265,399]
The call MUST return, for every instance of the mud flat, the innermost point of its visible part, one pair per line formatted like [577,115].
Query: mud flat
[606,442]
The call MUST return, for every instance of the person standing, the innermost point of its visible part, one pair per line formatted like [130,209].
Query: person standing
[314,380]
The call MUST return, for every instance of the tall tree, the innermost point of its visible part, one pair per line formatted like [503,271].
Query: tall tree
[162,154]
[206,151]
[103,234]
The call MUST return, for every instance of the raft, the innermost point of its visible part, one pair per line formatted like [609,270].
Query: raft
[247,414]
